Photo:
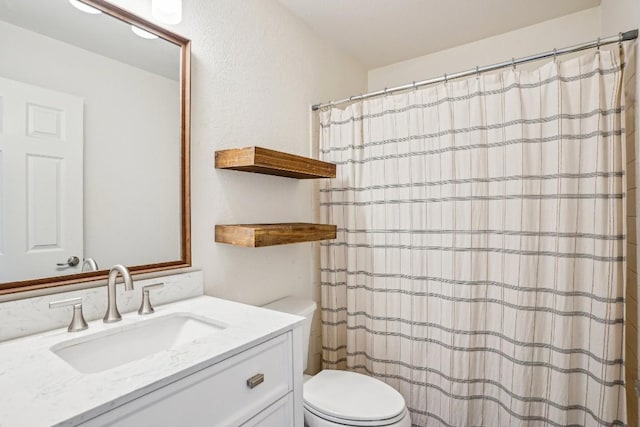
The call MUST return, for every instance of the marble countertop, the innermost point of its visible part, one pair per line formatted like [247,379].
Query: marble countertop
[38,388]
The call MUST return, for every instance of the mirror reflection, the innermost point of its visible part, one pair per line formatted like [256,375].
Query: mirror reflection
[90,142]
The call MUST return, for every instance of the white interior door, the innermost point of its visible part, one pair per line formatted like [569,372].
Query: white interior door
[41,170]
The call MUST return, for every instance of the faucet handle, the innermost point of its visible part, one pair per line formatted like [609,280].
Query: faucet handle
[145,307]
[77,321]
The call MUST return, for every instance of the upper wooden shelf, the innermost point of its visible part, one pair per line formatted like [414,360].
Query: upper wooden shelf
[259,235]
[271,162]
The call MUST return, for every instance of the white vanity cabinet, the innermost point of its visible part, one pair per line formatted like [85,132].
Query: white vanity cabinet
[221,394]
[186,380]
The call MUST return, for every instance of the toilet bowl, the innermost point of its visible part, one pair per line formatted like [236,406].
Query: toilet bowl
[342,398]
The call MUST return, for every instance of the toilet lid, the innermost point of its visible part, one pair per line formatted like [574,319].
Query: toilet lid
[352,396]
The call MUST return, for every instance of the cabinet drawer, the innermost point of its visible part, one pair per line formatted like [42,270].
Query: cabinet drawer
[216,396]
[280,414]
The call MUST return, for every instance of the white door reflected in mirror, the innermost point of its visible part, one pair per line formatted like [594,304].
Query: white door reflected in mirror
[41,157]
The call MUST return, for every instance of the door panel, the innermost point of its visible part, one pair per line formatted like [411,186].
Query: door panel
[41,175]
[43,202]
[45,122]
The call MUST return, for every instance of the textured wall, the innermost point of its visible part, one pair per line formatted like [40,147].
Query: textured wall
[256,71]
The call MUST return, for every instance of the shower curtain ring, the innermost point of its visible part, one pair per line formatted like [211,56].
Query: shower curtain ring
[477,72]
[414,85]
[555,55]
[598,45]
[513,63]
[620,37]
[445,78]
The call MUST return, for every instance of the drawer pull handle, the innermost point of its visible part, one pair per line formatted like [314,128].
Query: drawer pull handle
[255,380]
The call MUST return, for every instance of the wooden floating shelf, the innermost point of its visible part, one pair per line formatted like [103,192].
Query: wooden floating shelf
[259,235]
[270,162]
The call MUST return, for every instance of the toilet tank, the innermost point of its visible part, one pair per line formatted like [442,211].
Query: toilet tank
[301,307]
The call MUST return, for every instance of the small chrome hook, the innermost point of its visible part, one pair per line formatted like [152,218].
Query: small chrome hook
[555,55]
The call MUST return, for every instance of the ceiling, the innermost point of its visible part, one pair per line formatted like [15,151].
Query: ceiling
[381,32]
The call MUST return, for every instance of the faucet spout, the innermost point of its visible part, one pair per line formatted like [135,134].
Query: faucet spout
[112,314]
[89,264]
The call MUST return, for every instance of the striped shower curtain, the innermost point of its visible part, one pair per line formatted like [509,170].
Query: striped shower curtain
[479,264]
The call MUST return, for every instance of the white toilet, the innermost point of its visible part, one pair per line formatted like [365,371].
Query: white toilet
[342,398]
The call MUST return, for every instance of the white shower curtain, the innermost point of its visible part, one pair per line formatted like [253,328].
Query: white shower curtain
[479,264]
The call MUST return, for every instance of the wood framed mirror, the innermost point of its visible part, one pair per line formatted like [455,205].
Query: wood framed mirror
[94,144]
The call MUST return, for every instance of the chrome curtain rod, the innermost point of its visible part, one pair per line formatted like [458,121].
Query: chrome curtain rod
[621,37]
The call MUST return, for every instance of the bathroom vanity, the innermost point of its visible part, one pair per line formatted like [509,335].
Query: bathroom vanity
[198,362]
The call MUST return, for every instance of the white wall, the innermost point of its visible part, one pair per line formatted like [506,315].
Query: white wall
[256,69]
[560,32]
[123,131]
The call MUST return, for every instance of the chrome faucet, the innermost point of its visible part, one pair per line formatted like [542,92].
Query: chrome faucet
[90,264]
[112,314]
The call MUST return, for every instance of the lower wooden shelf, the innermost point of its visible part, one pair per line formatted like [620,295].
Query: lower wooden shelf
[259,235]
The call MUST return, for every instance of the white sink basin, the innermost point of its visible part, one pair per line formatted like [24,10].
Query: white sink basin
[117,346]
